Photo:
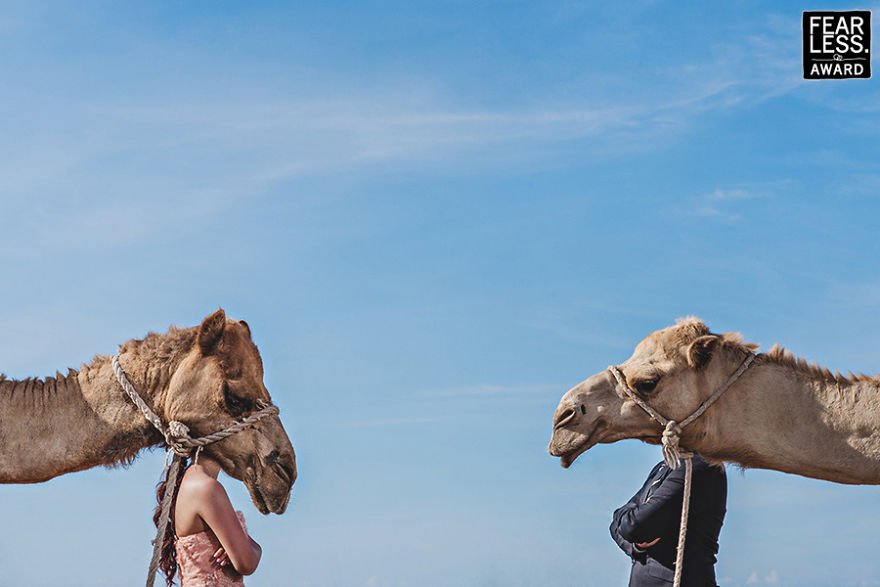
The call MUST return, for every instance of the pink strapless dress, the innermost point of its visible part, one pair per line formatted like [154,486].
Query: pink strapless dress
[195,565]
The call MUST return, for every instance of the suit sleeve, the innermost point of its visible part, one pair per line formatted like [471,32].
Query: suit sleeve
[624,544]
[648,521]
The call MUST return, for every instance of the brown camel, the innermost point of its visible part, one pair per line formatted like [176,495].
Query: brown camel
[782,413]
[206,377]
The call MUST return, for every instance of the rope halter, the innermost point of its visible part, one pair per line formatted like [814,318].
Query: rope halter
[670,439]
[176,434]
[180,445]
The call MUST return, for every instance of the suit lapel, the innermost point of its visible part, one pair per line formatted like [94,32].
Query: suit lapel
[658,479]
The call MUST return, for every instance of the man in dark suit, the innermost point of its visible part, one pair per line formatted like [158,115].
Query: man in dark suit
[646,528]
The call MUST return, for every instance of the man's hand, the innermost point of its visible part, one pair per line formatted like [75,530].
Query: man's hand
[647,545]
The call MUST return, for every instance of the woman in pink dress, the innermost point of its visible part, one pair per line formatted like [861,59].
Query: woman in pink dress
[206,540]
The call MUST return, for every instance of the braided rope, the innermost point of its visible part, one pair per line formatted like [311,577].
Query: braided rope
[717,393]
[181,445]
[673,454]
[133,395]
[683,527]
[164,517]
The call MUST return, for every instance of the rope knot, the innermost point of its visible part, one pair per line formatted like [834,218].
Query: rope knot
[178,438]
[671,450]
[178,430]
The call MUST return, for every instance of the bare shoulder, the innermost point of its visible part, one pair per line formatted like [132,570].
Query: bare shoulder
[202,488]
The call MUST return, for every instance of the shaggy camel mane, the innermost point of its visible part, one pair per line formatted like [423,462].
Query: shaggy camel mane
[689,328]
[36,384]
[158,347]
[163,347]
[779,355]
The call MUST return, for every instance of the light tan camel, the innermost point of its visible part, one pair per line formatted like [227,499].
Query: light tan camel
[782,413]
[205,376]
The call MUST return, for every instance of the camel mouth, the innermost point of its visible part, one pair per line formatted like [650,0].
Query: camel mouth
[283,506]
[265,500]
[253,485]
[568,458]
[260,501]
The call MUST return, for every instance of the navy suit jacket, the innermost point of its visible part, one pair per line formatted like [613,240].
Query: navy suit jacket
[655,512]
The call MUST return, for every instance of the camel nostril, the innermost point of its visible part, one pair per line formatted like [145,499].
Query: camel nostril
[583,409]
[273,457]
[286,472]
[564,418]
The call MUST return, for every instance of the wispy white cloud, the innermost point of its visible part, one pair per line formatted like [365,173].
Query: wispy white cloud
[756,578]
[331,135]
[711,204]
[727,204]
[190,154]
[151,170]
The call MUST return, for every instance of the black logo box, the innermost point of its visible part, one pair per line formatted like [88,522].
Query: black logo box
[837,45]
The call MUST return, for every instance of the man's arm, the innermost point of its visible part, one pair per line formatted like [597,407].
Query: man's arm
[624,544]
[647,521]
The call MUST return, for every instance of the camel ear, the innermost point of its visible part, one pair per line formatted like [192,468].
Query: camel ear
[700,352]
[211,331]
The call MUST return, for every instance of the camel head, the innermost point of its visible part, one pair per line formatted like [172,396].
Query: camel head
[673,370]
[219,381]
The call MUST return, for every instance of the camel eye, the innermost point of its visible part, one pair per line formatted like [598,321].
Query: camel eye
[646,386]
[235,405]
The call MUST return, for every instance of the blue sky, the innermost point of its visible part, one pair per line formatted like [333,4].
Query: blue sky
[437,219]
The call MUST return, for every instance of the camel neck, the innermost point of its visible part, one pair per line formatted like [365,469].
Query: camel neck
[79,421]
[796,420]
